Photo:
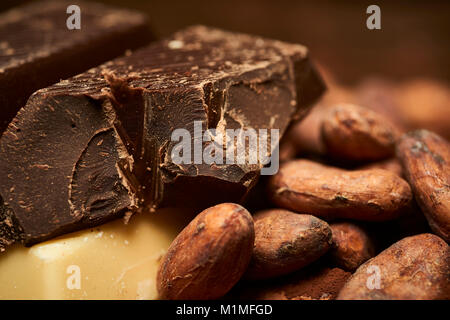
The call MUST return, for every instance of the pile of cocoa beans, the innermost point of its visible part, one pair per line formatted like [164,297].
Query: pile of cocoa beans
[359,209]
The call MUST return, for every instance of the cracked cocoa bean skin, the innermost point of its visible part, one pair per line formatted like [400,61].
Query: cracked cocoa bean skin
[309,187]
[391,164]
[209,256]
[414,268]
[425,157]
[286,241]
[355,133]
[351,247]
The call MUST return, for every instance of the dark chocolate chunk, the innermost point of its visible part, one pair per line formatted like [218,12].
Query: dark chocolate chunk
[37,49]
[57,166]
[223,80]
[91,147]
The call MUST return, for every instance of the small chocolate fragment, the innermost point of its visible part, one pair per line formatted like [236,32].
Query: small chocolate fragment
[37,48]
[10,231]
[87,149]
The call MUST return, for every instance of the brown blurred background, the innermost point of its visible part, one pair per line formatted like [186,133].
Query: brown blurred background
[413,41]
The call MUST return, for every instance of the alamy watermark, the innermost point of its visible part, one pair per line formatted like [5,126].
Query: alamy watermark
[73,281]
[73,22]
[373,22]
[374,280]
[229,146]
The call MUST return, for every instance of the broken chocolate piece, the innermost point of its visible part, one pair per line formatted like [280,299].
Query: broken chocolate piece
[57,166]
[37,48]
[87,149]
[222,80]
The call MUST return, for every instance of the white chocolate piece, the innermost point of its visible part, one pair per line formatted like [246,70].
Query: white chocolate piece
[112,261]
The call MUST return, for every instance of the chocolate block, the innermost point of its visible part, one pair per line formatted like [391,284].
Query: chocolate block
[87,149]
[37,49]
[223,80]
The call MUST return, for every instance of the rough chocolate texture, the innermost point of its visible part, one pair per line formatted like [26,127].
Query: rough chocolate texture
[37,49]
[86,149]
[58,166]
[229,81]
[10,230]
